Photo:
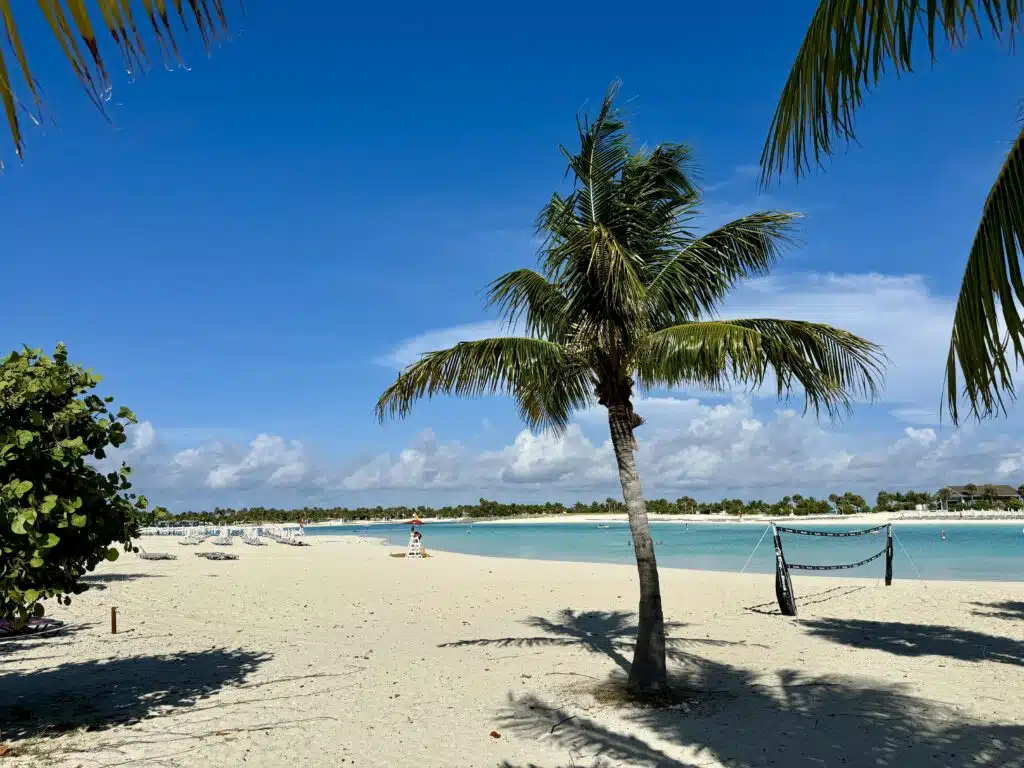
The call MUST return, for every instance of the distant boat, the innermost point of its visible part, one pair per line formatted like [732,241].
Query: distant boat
[604,525]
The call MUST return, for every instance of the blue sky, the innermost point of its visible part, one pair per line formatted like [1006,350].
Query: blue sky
[248,249]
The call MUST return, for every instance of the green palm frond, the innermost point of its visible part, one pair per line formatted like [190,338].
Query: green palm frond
[604,151]
[74,27]
[597,270]
[847,49]
[991,290]
[691,282]
[658,196]
[528,295]
[832,366]
[547,381]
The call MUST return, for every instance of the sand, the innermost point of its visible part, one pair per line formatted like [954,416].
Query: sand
[339,655]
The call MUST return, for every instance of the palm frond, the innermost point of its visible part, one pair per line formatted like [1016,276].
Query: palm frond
[72,26]
[604,150]
[832,366]
[527,295]
[547,382]
[691,282]
[991,290]
[848,46]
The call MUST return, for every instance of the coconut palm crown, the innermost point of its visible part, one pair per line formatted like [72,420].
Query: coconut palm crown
[849,47]
[625,298]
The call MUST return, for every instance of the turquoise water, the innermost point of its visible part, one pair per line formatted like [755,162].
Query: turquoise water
[984,552]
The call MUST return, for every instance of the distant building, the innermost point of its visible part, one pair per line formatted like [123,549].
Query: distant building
[959,494]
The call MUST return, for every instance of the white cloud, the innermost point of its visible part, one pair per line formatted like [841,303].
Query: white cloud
[691,443]
[410,350]
[740,173]
[687,447]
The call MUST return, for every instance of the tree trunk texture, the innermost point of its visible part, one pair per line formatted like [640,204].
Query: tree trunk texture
[648,673]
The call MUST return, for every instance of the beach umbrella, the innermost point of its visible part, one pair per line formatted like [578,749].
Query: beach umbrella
[414,521]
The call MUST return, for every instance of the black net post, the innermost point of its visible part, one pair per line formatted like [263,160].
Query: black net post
[783,584]
[888,555]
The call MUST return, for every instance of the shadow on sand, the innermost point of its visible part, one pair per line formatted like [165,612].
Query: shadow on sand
[1012,610]
[919,639]
[98,694]
[100,581]
[727,717]
[115,578]
[606,632]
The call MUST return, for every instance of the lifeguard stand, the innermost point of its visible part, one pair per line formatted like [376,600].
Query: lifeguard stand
[415,546]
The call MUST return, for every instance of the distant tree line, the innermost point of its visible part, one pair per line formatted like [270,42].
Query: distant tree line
[796,505]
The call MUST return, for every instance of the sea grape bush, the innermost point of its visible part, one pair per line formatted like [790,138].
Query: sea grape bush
[59,513]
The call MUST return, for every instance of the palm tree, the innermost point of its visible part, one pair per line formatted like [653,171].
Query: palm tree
[75,32]
[989,493]
[849,46]
[625,297]
[944,495]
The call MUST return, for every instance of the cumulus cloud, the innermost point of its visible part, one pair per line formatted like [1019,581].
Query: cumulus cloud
[688,447]
[692,443]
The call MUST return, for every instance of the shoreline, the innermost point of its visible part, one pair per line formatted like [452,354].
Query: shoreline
[879,518]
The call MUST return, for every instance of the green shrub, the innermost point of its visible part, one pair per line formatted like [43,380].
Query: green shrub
[59,514]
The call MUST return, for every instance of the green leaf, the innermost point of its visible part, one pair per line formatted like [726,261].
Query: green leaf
[18,526]
[49,502]
[22,488]
[51,541]
[79,521]
[30,595]
[23,437]
[38,610]
[74,442]
[36,562]
[112,554]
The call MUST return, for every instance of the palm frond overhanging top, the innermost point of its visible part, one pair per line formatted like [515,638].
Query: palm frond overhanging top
[849,46]
[74,24]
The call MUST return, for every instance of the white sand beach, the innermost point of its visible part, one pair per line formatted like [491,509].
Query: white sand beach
[340,655]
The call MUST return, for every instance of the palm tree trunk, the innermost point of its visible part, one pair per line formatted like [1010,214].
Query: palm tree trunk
[647,673]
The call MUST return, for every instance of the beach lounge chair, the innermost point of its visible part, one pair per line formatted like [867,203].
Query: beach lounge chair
[144,555]
[224,540]
[217,555]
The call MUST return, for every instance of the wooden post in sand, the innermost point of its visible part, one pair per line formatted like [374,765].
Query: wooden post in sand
[113,620]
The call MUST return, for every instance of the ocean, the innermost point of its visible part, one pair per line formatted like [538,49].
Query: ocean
[974,552]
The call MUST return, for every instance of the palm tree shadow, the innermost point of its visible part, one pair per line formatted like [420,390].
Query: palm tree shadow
[798,721]
[919,640]
[610,633]
[100,694]
[1008,609]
